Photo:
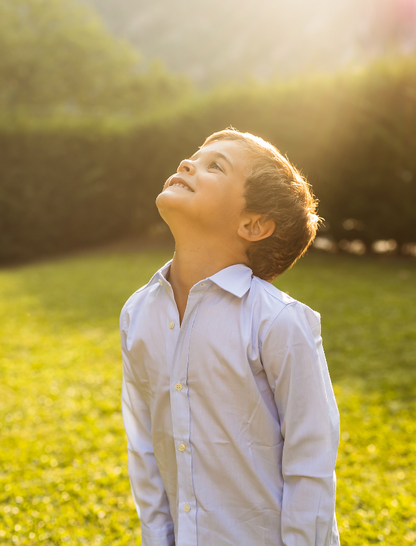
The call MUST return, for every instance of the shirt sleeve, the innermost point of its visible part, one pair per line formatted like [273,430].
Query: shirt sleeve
[147,487]
[296,368]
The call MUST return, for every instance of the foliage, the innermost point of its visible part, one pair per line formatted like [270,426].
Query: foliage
[67,184]
[64,456]
[60,192]
[57,57]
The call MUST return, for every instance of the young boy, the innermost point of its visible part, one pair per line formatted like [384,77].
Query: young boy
[231,419]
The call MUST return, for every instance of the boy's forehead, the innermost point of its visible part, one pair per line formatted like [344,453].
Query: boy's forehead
[229,150]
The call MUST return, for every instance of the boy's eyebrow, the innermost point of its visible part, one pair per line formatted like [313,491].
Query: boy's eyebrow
[218,154]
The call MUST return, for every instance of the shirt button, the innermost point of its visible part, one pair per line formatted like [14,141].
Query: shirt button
[181,447]
[171,324]
[202,284]
[187,508]
[178,387]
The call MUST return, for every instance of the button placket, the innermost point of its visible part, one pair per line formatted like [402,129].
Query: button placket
[181,418]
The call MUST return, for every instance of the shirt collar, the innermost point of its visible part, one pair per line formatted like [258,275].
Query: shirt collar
[235,279]
[160,275]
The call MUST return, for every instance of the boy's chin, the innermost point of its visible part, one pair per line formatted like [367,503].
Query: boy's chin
[169,206]
[172,200]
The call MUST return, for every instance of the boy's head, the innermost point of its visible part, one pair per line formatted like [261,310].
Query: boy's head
[275,189]
[236,174]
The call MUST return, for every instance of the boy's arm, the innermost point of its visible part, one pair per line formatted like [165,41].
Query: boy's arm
[146,483]
[296,368]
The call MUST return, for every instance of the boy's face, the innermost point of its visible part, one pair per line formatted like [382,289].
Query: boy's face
[208,189]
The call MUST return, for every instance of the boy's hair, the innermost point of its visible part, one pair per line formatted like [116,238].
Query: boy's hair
[275,189]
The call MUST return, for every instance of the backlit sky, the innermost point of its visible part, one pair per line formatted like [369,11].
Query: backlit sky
[230,39]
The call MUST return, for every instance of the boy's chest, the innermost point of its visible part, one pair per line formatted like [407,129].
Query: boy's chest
[205,386]
[214,354]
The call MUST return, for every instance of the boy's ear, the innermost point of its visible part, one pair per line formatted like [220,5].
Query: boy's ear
[255,227]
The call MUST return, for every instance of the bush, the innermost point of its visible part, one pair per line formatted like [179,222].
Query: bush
[353,135]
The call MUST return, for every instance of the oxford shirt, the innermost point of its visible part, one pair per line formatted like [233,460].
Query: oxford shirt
[231,419]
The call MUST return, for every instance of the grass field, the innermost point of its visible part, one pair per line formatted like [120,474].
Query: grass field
[63,450]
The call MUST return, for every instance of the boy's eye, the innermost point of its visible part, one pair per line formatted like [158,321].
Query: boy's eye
[214,165]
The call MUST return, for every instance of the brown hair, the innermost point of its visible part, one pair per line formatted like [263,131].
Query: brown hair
[275,189]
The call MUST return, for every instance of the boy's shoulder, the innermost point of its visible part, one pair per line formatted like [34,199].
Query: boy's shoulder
[282,307]
[134,300]
[272,292]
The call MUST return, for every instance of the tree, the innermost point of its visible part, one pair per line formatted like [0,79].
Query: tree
[56,56]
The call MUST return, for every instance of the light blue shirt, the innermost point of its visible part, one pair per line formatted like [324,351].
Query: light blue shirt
[231,419]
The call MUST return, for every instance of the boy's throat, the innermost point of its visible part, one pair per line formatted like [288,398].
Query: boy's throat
[180,294]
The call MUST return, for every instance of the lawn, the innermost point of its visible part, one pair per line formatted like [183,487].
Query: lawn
[63,453]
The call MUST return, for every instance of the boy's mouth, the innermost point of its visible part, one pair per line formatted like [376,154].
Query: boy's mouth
[176,181]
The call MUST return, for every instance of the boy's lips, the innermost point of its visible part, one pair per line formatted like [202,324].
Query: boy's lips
[179,181]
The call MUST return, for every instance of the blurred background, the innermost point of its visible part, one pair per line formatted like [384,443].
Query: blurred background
[100,100]
[228,41]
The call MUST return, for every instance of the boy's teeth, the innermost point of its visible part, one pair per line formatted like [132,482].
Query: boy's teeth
[181,185]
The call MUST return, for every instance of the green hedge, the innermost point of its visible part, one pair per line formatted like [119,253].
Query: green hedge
[353,135]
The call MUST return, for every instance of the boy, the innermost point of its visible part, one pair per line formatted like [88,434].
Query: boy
[232,423]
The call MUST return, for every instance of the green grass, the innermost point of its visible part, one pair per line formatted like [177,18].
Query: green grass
[63,450]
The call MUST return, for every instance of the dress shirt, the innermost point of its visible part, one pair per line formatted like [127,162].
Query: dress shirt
[231,419]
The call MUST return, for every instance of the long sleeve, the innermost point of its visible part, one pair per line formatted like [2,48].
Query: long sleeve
[148,491]
[297,372]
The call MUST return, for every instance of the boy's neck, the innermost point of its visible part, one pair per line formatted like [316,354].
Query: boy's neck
[194,262]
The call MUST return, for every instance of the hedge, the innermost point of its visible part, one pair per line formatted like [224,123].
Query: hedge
[353,135]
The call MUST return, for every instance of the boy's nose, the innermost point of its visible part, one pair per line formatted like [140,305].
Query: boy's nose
[187,166]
